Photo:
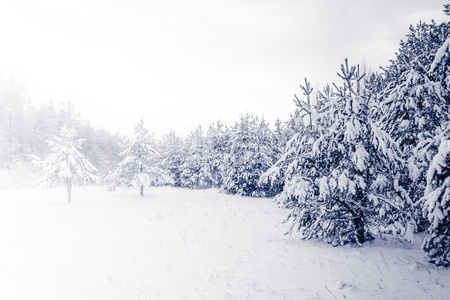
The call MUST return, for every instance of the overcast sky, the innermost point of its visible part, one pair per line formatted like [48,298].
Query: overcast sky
[186,63]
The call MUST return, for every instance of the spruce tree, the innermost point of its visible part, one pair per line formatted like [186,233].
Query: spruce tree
[139,166]
[300,135]
[414,104]
[433,149]
[218,146]
[66,163]
[172,156]
[436,200]
[339,183]
[251,154]
[196,170]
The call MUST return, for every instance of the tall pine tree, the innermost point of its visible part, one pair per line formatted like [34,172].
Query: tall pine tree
[434,148]
[436,200]
[414,104]
[339,182]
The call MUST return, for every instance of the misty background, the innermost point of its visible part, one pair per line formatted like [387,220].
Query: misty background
[182,64]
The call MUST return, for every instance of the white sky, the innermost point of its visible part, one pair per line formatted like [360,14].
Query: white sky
[186,63]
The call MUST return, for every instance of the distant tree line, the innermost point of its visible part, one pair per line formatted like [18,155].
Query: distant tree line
[26,129]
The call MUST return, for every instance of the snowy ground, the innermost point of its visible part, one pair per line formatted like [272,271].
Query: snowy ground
[183,244]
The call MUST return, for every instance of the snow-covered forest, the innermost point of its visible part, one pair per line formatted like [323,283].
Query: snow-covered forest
[363,159]
[365,156]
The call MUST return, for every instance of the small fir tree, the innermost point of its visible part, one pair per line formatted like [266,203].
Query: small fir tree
[251,154]
[196,170]
[172,156]
[66,163]
[139,166]
[218,146]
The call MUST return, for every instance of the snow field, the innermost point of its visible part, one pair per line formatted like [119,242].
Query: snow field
[188,244]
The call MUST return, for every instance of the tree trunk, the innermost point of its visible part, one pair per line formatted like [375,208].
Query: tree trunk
[142,186]
[69,189]
[359,228]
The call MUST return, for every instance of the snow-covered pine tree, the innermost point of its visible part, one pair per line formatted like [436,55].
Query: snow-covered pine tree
[275,174]
[139,166]
[341,183]
[300,133]
[218,146]
[251,154]
[172,156]
[66,164]
[436,201]
[433,148]
[294,124]
[196,170]
[415,103]
[281,135]
[417,51]
[302,170]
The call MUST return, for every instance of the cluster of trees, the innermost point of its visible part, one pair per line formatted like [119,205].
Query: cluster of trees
[370,155]
[375,154]
[231,159]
